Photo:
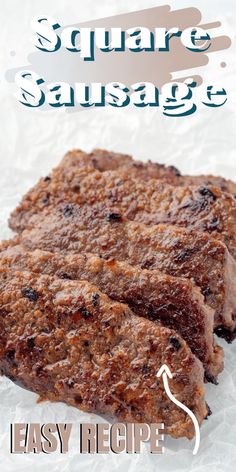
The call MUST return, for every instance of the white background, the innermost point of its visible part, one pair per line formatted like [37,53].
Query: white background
[32,142]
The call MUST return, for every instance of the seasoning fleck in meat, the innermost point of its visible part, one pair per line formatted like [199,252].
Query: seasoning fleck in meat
[68,210]
[206,192]
[30,294]
[106,377]
[175,343]
[113,217]
[30,343]
[176,302]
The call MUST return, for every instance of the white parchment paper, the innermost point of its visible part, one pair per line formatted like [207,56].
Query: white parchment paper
[31,143]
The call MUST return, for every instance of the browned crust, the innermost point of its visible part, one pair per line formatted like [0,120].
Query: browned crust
[176,302]
[98,357]
[103,160]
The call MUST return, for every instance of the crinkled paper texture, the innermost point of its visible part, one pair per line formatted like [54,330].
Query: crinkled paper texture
[33,142]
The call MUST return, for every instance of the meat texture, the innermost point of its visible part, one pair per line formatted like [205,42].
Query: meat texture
[205,208]
[67,341]
[176,302]
[106,160]
[174,251]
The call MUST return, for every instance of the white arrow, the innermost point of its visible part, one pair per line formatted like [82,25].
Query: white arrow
[165,371]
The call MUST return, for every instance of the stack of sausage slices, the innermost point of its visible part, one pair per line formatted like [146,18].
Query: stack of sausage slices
[120,267]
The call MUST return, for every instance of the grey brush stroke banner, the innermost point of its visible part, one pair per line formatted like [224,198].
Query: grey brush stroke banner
[126,67]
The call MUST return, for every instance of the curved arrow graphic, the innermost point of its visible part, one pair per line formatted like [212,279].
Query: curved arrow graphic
[165,372]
